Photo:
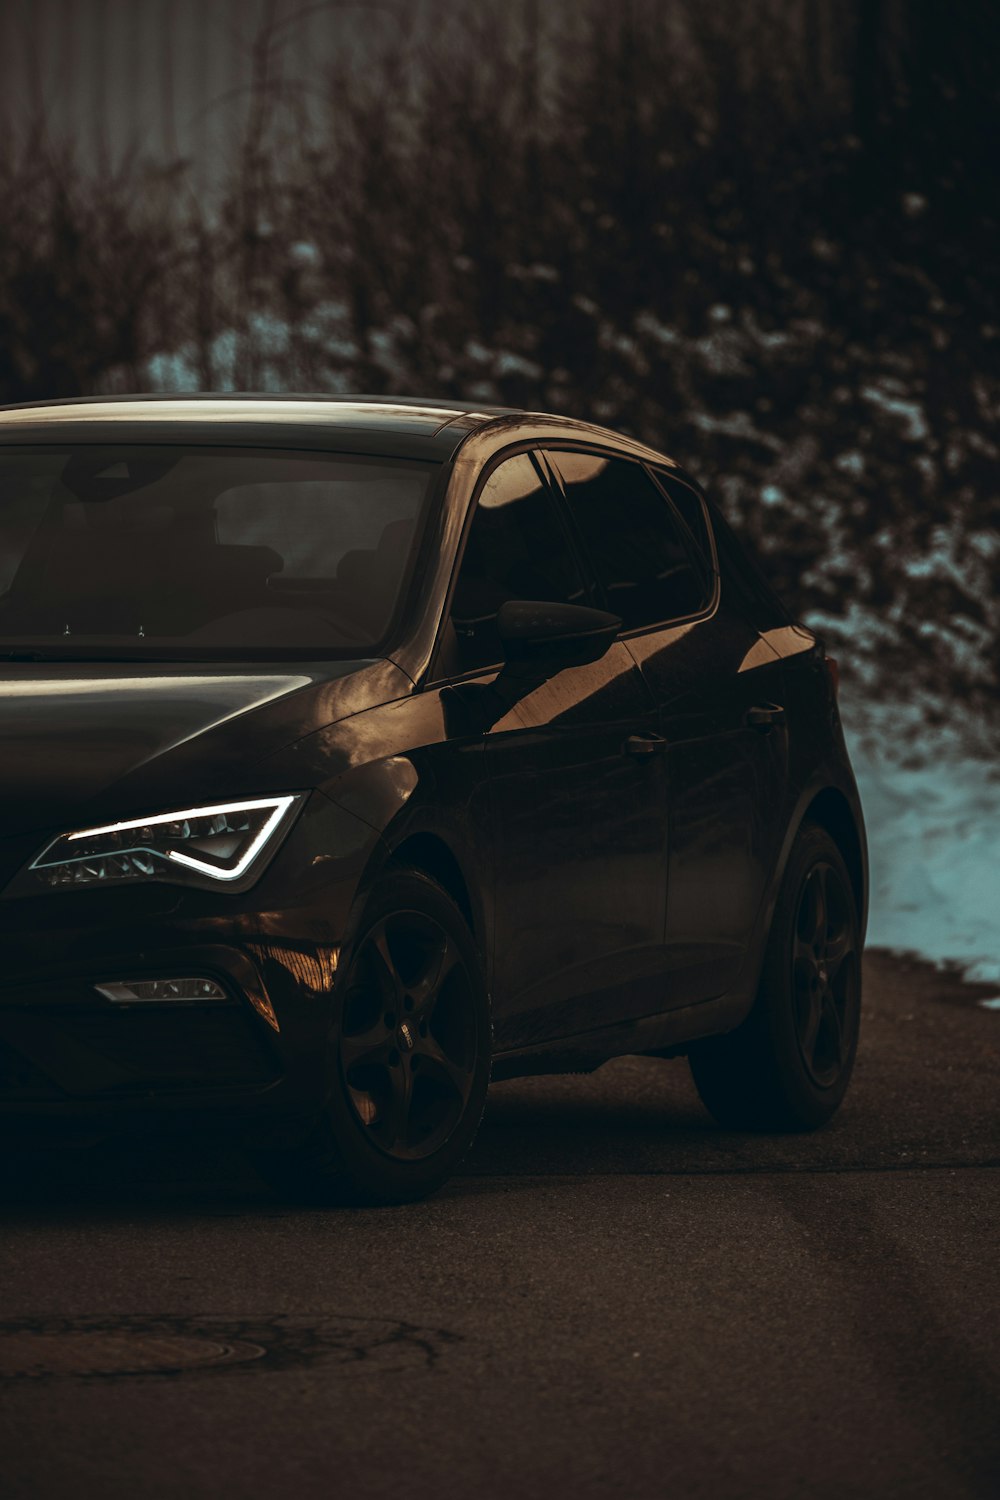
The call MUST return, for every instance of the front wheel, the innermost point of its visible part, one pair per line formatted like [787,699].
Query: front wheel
[409,1056]
[788,1066]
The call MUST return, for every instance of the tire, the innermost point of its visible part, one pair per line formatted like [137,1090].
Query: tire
[409,1059]
[788,1066]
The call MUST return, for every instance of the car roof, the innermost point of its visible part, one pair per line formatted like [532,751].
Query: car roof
[405,426]
[411,427]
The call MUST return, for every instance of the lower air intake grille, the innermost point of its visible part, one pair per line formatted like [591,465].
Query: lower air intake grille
[21,1079]
[124,1050]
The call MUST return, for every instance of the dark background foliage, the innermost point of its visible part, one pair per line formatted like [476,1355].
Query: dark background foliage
[762,236]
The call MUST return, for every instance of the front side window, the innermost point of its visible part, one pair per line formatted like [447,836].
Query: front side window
[516,549]
[194,552]
[637,549]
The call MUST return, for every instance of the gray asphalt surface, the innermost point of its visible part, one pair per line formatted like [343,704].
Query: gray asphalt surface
[615,1299]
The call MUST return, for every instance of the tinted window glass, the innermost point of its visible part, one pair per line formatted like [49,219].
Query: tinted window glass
[692,513]
[743,584]
[633,540]
[516,549]
[160,551]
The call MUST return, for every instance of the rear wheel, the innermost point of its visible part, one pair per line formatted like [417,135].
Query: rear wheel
[409,1056]
[788,1066]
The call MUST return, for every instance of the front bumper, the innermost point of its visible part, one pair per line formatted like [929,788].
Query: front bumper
[72,1061]
[75,1065]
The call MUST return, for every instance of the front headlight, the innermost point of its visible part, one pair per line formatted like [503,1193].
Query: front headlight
[222,842]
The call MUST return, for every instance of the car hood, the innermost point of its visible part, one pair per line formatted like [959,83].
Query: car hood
[89,741]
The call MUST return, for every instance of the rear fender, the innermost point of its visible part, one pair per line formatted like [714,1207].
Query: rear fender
[830,786]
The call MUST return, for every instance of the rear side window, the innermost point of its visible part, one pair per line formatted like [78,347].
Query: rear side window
[516,549]
[691,509]
[743,583]
[640,557]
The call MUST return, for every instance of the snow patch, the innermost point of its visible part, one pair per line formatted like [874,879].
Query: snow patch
[909,412]
[933,823]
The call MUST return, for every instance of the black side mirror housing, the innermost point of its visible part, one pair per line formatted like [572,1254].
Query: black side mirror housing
[540,639]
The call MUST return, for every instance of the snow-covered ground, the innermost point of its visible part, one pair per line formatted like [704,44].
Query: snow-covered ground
[933,817]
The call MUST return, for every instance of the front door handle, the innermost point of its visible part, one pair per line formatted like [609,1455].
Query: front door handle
[764,716]
[645,744]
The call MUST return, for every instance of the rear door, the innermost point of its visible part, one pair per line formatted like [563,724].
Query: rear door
[579,818]
[716,685]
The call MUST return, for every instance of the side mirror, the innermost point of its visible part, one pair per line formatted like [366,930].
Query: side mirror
[542,639]
[539,640]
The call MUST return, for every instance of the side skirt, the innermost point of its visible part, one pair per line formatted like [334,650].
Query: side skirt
[661,1035]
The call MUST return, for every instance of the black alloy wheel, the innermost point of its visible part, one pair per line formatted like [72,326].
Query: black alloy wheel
[407,1043]
[788,1066]
[410,1054]
[824,960]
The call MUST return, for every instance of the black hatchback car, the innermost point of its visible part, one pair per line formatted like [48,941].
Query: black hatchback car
[354,749]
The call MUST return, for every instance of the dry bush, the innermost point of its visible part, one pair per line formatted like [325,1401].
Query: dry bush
[764,238]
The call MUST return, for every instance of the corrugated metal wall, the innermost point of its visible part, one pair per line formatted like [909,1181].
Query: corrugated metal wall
[166,78]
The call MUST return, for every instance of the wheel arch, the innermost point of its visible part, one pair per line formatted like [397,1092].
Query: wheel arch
[835,807]
[429,853]
[829,806]
[832,811]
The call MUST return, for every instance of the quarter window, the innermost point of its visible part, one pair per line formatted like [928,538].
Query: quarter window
[516,549]
[635,545]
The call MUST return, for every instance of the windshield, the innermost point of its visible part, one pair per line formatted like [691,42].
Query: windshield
[169,552]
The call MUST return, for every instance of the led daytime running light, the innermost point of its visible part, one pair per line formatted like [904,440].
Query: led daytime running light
[156,839]
[279,804]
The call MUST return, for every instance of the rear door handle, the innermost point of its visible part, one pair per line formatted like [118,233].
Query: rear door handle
[764,716]
[645,744]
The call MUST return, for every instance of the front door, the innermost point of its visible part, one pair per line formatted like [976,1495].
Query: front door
[580,832]
[578,808]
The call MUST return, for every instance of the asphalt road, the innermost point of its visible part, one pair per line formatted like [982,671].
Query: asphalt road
[615,1299]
